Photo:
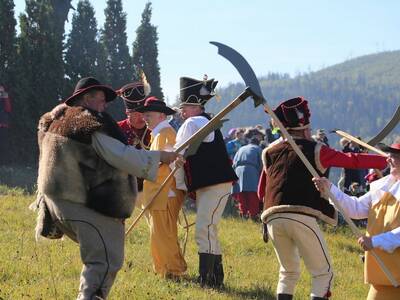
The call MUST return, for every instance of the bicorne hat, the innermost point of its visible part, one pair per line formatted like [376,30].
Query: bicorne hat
[89,83]
[154,104]
[394,148]
[294,113]
[134,95]
[196,92]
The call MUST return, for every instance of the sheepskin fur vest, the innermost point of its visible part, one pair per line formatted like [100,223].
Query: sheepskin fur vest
[289,187]
[71,170]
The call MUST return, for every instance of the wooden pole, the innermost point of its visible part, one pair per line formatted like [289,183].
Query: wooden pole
[360,142]
[199,133]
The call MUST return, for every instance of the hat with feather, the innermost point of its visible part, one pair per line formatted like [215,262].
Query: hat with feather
[135,93]
[196,92]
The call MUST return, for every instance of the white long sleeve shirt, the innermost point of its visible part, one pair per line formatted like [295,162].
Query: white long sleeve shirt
[358,208]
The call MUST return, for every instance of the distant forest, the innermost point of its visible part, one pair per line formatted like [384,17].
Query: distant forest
[358,96]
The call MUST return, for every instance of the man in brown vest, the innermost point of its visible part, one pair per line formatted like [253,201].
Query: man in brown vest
[292,204]
[381,205]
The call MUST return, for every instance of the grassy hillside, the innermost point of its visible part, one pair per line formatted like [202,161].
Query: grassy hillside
[50,269]
[359,95]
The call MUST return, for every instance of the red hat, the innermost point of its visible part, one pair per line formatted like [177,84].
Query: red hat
[154,104]
[394,148]
[294,113]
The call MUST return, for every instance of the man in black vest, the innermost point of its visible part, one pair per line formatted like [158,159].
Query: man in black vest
[292,204]
[209,175]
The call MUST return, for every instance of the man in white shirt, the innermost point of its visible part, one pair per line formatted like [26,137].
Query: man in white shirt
[381,205]
[209,175]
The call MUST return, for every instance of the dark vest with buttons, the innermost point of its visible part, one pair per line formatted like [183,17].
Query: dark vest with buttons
[210,165]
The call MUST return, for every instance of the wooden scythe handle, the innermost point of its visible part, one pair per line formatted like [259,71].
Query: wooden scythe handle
[210,124]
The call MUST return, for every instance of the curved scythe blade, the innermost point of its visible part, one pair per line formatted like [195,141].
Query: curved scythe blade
[244,69]
[387,129]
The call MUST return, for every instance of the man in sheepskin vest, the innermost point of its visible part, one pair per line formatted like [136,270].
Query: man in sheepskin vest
[87,182]
[292,204]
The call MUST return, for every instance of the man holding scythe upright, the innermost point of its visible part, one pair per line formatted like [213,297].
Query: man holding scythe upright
[209,175]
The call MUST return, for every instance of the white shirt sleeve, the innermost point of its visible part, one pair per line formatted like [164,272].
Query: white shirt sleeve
[387,241]
[190,127]
[139,163]
[356,208]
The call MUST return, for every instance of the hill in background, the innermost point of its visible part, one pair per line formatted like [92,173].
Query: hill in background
[359,95]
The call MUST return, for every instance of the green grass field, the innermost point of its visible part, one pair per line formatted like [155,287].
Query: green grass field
[50,269]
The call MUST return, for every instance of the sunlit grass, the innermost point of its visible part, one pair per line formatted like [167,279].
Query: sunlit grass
[50,269]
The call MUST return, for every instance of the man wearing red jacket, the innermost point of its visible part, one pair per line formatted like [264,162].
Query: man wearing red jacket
[292,204]
[134,126]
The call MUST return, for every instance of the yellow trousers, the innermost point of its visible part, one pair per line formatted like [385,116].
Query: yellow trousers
[165,250]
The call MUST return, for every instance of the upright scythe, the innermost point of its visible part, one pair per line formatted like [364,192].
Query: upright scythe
[249,77]
[198,137]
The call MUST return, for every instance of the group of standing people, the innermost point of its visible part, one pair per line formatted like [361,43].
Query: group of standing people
[89,167]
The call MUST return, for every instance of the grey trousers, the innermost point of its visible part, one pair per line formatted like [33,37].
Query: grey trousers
[101,244]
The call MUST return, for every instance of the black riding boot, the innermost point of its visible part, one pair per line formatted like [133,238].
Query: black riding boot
[218,271]
[206,269]
[284,297]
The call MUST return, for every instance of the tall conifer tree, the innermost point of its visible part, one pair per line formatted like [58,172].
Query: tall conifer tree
[145,52]
[118,62]
[7,43]
[41,70]
[82,48]
[114,38]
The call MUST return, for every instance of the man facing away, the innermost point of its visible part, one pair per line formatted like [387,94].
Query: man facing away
[292,204]
[87,184]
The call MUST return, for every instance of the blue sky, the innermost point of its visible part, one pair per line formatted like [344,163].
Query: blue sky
[274,36]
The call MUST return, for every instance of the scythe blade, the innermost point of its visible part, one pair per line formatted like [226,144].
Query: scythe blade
[244,69]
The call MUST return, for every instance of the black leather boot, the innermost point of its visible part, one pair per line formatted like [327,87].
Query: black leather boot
[206,269]
[284,297]
[218,271]
[318,298]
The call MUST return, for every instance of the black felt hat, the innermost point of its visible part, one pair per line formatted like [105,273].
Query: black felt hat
[89,83]
[154,104]
[294,113]
[196,92]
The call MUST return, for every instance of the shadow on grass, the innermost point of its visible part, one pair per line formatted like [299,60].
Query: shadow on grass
[256,292]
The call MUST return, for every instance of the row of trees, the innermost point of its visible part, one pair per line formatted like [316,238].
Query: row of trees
[42,64]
